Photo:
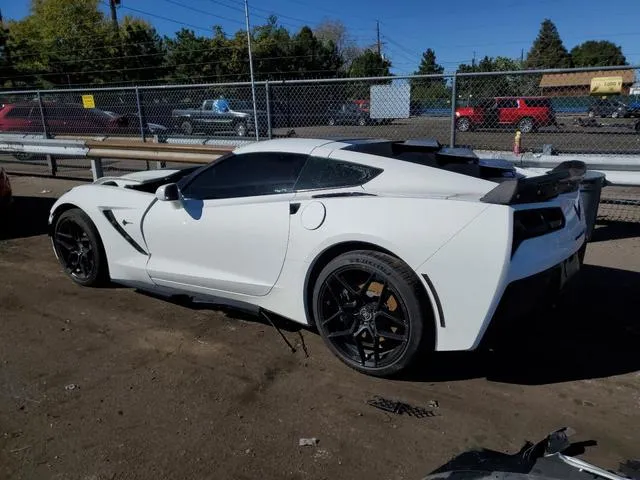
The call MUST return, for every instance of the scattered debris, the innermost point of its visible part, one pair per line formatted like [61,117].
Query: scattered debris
[20,449]
[304,345]
[401,408]
[71,386]
[308,442]
[322,454]
[45,191]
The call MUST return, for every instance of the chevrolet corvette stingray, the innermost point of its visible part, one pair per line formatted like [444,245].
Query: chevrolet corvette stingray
[387,248]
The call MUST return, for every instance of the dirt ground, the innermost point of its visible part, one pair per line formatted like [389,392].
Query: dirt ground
[114,384]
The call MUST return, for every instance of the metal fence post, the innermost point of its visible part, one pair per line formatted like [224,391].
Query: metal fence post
[452,137]
[51,161]
[140,119]
[266,92]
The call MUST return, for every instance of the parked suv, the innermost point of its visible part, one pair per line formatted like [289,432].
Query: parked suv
[525,113]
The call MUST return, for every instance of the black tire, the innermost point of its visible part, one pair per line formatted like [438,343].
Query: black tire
[187,127]
[240,129]
[527,125]
[79,249]
[362,122]
[463,124]
[592,114]
[353,321]
[23,156]
[331,122]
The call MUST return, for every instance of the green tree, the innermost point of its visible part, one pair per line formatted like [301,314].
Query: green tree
[310,58]
[142,51]
[427,90]
[370,64]
[547,50]
[191,58]
[473,88]
[7,72]
[593,53]
[61,42]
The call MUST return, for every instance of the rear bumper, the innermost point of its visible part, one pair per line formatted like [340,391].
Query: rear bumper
[524,297]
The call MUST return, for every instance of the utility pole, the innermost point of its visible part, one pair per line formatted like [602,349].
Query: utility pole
[473,61]
[114,14]
[378,36]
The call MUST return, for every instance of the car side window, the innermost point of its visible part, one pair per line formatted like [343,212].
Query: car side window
[247,175]
[508,103]
[327,173]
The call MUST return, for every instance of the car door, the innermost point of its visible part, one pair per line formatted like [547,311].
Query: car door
[229,232]
[508,111]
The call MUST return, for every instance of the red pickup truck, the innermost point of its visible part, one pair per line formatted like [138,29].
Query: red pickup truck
[526,113]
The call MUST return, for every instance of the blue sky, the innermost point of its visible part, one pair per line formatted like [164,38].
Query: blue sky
[455,29]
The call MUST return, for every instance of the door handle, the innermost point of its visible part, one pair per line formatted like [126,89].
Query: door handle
[293,208]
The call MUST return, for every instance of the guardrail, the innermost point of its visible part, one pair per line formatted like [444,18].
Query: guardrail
[620,170]
[97,149]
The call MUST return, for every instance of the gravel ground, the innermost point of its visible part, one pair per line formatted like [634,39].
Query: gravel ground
[114,384]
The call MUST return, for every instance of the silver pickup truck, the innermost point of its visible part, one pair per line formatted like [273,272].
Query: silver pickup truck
[233,117]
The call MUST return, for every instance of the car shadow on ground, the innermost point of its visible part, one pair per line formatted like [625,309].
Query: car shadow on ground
[27,217]
[615,230]
[591,332]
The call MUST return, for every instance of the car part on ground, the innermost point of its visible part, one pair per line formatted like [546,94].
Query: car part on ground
[371,241]
[551,458]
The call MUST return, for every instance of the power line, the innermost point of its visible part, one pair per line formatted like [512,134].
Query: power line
[197,10]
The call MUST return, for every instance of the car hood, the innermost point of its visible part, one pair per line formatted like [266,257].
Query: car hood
[137,177]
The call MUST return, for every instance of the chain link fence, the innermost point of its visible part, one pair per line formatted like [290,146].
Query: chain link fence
[551,112]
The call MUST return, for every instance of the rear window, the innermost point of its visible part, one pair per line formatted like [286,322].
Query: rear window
[325,173]
[538,102]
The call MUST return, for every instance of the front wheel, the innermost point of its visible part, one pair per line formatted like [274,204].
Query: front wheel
[362,121]
[369,309]
[241,129]
[331,122]
[79,249]
[463,124]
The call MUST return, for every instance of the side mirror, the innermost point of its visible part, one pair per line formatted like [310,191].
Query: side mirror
[168,193]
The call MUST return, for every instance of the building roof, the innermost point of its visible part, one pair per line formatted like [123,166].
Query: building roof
[584,78]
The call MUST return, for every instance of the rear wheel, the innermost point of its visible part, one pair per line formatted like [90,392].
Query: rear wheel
[79,249]
[362,121]
[331,122]
[463,124]
[526,125]
[369,310]
[186,127]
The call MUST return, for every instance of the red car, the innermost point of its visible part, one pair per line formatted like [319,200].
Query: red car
[525,113]
[69,118]
[5,190]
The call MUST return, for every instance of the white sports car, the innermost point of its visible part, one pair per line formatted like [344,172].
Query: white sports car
[388,248]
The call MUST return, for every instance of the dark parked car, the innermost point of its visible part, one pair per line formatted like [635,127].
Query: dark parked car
[349,114]
[609,108]
[220,116]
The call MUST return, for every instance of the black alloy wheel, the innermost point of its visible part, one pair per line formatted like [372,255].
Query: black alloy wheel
[79,249]
[368,309]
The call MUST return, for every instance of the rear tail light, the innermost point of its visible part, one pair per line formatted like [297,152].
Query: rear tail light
[534,223]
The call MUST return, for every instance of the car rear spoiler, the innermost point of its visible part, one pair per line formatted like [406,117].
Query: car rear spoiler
[564,178]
